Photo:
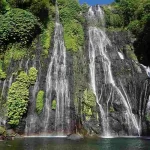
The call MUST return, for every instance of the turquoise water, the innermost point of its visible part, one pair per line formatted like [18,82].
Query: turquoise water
[86,144]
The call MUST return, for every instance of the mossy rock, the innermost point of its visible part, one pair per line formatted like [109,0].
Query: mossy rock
[2,131]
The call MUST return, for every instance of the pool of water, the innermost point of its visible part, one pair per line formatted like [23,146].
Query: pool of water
[86,144]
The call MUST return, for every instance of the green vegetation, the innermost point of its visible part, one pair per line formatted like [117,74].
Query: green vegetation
[133,15]
[15,52]
[18,25]
[46,37]
[111,109]
[148,117]
[89,103]
[2,131]
[32,75]
[2,75]
[39,8]
[18,96]
[84,7]
[71,18]
[130,52]
[21,22]
[112,17]
[4,6]
[54,104]
[40,102]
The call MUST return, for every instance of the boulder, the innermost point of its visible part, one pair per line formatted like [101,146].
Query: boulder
[75,137]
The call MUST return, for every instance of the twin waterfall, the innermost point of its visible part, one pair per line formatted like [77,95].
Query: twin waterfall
[98,42]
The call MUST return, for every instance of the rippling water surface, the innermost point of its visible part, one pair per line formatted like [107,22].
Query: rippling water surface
[86,144]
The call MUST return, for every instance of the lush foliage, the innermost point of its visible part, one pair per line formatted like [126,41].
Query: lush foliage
[46,37]
[18,96]
[133,15]
[39,8]
[4,6]
[54,104]
[88,103]
[32,75]
[74,35]
[136,15]
[15,52]
[18,25]
[70,16]
[2,131]
[40,101]
[112,17]
[2,74]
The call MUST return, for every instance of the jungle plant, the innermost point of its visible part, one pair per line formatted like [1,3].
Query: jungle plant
[71,18]
[89,103]
[32,75]
[2,75]
[40,101]
[18,25]
[54,104]
[18,96]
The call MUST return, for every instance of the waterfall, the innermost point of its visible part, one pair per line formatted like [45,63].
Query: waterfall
[98,42]
[6,85]
[31,123]
[32,118]
[57,85]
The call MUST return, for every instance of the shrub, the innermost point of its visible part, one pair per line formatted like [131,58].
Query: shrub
[18,25]
[54,104]
[40,8]
[89,102]
[40,101]
[71,18]
[2,75]
[113,18]
[46,35]
[4,6]
[2,131]
[135,27]
[20,3]
[18,96]
[111,109]
[84,7]
[32,75]
[73,35]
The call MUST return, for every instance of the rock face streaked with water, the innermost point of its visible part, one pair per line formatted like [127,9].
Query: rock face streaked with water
[120,85]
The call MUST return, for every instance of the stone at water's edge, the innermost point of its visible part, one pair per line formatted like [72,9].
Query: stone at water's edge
[75,137]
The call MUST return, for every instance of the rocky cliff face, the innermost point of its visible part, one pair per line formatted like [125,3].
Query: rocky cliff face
[100,89]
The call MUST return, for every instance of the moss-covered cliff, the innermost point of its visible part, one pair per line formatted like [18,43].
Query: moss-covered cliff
[27,45]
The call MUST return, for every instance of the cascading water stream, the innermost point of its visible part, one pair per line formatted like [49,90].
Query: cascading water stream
[98,41]
[32,118]
[57,84]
